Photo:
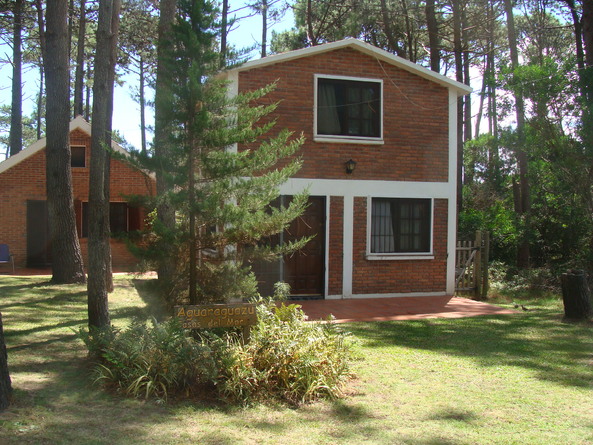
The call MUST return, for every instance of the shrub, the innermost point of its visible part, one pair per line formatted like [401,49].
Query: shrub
[287,358]
[151,360]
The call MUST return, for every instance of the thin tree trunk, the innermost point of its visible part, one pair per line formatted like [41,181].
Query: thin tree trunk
[163,98]
[457,49]
[524,206]
[99,249]
[311,37]
[224,33]
[41,27]
[433,36]
[142,107]
[482,97]
[5,383]
[67,264]
[79,75]
[40,96]
[391,40]
[264,32]
[16,112]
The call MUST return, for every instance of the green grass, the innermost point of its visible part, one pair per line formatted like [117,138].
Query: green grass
[516,379]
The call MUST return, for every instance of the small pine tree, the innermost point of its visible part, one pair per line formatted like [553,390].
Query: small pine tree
[221,196]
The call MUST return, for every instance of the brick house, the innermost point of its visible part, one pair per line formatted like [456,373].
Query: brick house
[388,227]
[23,210]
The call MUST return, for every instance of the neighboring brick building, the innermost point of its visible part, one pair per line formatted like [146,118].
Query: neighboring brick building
[23,210]
[387,228]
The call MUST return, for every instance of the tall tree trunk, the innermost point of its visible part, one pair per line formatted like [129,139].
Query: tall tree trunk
[264,31]
[524,204]
[467,103]
[16,111]
[433,36]
[482,97]
[79,74]
[5,383]
[224,32]
[457,49]
[99,232]
[40,96]
[41,27]
[162,130]
[67,264]
[391,40]
[142,107]
[311,37]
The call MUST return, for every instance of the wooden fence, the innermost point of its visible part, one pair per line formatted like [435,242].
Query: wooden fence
[471,266]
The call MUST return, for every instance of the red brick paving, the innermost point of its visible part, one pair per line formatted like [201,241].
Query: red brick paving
[399,308]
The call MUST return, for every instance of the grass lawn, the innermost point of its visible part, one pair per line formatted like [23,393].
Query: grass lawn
[513,379]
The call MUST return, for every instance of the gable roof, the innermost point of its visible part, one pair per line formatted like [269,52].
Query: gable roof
[78,123]
[358,45]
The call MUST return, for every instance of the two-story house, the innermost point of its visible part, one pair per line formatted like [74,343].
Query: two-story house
[380,164]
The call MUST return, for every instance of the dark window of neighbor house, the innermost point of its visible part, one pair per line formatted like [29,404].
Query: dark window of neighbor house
[400,225]
[77,158]
[348,108]
[122,218]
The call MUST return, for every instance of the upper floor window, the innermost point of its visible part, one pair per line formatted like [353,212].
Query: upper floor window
[77,156]
[401,225]
[349,108]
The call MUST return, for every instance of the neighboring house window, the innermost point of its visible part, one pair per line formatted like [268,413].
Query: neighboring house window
[77,158]
[400,225]
[349,108]
[122,218]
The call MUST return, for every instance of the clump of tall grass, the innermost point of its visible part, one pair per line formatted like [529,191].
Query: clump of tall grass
[151,359]
[288,359]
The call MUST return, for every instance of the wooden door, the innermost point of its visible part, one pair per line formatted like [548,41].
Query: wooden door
[304,270]
[38,237]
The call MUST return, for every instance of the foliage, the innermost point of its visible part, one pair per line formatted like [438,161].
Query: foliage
[221,196]
[150,361]
[288,358]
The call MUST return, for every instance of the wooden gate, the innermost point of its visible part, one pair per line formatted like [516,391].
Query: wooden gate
[471,266]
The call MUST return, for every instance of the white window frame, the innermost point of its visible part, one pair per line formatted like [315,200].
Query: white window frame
[399,255]
[341,138]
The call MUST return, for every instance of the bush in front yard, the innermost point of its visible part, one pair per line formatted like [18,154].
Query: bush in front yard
[151,360]
[288,358]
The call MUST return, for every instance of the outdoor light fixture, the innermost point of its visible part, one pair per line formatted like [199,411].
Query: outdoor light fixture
[350,166]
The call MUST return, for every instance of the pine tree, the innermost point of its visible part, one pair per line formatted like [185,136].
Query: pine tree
[221,195]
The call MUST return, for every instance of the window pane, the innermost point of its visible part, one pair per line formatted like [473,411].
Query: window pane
[348,108]
[77,156]
[400,225]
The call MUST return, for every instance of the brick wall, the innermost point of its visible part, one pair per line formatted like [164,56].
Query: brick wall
[401,276]
[26,181]
[336,245]
[415,118]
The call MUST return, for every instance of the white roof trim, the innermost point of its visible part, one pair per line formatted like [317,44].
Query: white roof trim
[382,55]
[78,123]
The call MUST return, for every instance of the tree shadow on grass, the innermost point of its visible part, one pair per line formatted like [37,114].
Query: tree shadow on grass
[539,341]
[148,290]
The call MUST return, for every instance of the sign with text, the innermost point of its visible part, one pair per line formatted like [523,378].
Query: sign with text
[216,315]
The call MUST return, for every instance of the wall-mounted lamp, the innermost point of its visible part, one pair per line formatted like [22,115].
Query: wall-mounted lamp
[350,166]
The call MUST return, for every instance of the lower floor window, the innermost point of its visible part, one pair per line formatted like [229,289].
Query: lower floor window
[122,218]
[400,225]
